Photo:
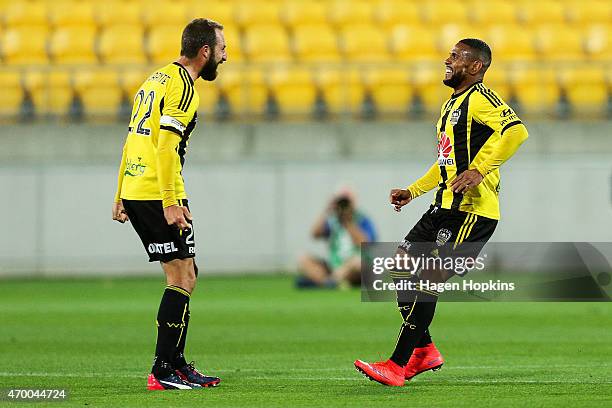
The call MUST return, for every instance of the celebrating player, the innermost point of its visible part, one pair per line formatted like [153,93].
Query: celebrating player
[477,133]
[151,192]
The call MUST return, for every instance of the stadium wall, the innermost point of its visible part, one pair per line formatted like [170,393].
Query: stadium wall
[255,189]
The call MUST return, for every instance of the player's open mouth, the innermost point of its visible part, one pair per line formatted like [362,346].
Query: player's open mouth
[448,72]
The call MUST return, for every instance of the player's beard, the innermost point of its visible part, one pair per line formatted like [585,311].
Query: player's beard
[454,80]
[209,70]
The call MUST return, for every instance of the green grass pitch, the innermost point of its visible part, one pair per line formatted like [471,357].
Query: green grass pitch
[275,346]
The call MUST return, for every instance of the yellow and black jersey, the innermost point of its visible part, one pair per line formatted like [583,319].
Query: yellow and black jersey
[166,101]
[471,125]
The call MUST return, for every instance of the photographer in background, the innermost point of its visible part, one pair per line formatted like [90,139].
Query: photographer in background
[345,228]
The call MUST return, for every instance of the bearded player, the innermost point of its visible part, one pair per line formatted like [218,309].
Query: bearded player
[476,133]
[151,192]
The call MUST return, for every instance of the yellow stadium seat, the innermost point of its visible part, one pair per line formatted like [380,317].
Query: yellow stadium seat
[450,34]
[233,44]
[99,91]
[364,43]
[315,43]
[344,12]
[560,43]
[414,43]
[536,90]
[541,12]
[589,11]
[172,13]
[122,44]
[28,13]
[39,86]
[586,91]
[427,82]
[598,42]
[164,43]
[304,12]
[293,90]
[393,12]
[131,79]
[223,12]
[51,91]
[511,43]
[209,95]
[444,11]
[391,89]
[492,13]
[266,43]
[107,13]
[25,45]
[68,13]
[73,45]
[12,93]
[498,79]
[255,13]
[245,91]
[343,90]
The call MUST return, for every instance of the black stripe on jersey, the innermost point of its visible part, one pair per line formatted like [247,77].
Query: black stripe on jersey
[443,173]
[182,147]
[171,129]
[460,136]
[161,106]
[182,68]
[185,90]
[509,125]
[188,95]
[479,134]
[188,101]
[492,95]
[482,91]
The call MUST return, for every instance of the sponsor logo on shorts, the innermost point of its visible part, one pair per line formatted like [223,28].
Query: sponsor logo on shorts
[164,248]
[405,245]
[443,236]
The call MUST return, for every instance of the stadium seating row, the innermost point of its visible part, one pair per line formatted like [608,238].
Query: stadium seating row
[245,13]
[126,44]
[587,89]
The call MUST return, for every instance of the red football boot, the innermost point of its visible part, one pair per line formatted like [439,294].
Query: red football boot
[423,359]
[384,372]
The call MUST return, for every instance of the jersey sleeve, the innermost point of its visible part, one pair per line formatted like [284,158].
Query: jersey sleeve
[492,111]
[177,111]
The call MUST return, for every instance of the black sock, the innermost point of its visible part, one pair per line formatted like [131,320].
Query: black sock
[424,340]
[179,357]
[417,309]
[170,327]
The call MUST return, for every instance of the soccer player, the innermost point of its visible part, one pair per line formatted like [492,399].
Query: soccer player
[477,132]
[151,192]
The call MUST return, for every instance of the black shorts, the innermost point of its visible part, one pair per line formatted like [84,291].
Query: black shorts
[162,242]
[448,233]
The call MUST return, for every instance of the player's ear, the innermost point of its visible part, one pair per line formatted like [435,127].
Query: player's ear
[477,65]
[205,52]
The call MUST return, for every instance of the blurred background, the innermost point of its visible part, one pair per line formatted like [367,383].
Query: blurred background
[315,95]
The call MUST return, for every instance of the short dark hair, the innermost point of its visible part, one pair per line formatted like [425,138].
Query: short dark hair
[197,33]
[483,51]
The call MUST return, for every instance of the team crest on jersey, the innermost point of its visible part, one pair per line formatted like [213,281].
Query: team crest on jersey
[455,117]
[443,236]
[444,150]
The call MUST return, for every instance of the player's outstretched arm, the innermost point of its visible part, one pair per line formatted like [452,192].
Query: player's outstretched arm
[119,213]
[428,182]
